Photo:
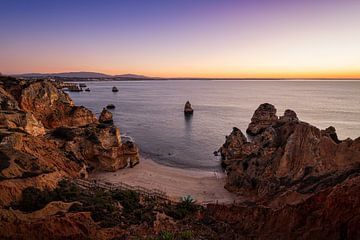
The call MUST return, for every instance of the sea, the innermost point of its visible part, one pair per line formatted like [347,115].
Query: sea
[151,112]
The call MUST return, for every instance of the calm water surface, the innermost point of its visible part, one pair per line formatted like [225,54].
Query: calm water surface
[152,112]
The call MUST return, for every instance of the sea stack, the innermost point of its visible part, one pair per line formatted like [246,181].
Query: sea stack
[188,109]
[114,89]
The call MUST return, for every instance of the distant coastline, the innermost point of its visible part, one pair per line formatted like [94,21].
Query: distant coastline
[94,76]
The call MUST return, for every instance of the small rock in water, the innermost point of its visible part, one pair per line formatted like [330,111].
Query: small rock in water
[87,90]
[188,109]
[216,153]
[114,89]
[110,106]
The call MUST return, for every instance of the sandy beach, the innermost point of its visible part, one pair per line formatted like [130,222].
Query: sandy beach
[203,186]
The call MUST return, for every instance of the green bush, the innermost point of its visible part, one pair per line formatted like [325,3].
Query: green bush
[130,200]
[186,235]
[182,209]
[166,236]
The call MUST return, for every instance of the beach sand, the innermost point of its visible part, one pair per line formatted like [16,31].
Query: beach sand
[203,186]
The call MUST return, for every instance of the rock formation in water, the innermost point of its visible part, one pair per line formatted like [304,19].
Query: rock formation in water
[114,89]
[286,154]
[105,116]
[44,138]
[188,109]
[110,106]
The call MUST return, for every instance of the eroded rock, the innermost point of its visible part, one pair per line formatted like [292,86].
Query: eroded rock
[286,154]
[106,116]
[45,138]
[264,116]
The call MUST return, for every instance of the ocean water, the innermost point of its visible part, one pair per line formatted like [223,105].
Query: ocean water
[151,112]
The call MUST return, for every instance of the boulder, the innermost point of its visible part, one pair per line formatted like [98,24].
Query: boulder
[114,89]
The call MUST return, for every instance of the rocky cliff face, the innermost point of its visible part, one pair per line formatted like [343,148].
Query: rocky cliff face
[44,137]
[296,181]
[285,154]
[329,214]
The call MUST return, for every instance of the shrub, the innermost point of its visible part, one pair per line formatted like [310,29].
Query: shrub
[33,199]
[186,235]
[182,209]
[4,162]
[130,200]
[93,138]
[166,236]
[63,133]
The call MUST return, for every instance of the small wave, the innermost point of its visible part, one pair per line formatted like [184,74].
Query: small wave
[125,137]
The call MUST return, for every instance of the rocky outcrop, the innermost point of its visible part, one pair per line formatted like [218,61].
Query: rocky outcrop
[284,155]
[188,109]
[53,107]
[100,147]
[264,116]
[17,120]
[295,181]
[52,222]
[44,138]
[329,214]
[106,116]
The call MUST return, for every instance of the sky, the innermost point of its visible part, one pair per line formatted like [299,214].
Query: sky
[182,38]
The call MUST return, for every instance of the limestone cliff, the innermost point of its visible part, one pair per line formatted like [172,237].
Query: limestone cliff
[44,138]
[286,154]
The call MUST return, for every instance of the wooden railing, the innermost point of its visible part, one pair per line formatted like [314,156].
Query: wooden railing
[156,193]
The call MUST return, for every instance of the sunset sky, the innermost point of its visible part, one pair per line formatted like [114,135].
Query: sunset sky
[184,38]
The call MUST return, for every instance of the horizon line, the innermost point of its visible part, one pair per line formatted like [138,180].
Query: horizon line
[183,77]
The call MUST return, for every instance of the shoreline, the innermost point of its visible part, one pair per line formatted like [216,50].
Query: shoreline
[203,186]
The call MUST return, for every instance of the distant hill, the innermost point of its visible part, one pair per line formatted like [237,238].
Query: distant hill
[67,75]
[133,76]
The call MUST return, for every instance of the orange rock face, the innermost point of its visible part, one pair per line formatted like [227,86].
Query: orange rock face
[53,107]
[44,138]
[286,154]
[296,181]
[329,214]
